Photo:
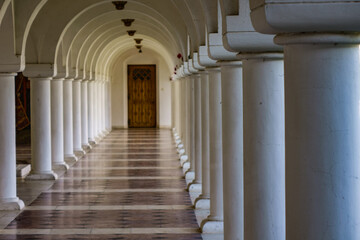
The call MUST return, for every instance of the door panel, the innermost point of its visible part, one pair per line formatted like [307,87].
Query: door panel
[142,96]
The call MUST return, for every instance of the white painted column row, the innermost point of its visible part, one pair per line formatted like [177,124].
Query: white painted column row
[8,194]
[59,114]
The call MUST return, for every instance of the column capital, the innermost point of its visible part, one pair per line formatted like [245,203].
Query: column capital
[40,78]
[273,17]
[266,55]
[217,50]
[7,74]
[318,38]
[40,71]
[213,69]
[237,63]
[69,79]
[204,58]
[60,79]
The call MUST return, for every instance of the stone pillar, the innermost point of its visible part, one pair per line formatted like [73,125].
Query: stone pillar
[41,168]
[78,150]
[190,126]
[203,201]
[232,127]
[101,108]
[84,116]
[264,146]
[98,136]
[180,111]
[214,223]
[57,125]
[91,134]
[108,106]
[196,183]
[322,132]
[172,104]
[8,195]
[95,109]
[68,122]
[104,107]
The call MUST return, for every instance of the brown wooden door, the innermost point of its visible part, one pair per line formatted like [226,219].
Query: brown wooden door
[142,96]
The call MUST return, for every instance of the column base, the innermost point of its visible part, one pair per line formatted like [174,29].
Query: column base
[194,187]
[181,152]
[92,143]
[183,160]
[186,167]
[212,226]
[60,166]
[86,147]
[202,202]
[79,153]
[189,175]
[71,159]
[104,133]
[11,204]
[98,139]
[42,176]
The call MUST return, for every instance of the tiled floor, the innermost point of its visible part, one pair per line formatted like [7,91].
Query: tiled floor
[130,186]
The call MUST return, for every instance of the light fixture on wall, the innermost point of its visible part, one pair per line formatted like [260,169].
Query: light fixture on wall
[131,32]
[127,22]
[119,5]
[138,40]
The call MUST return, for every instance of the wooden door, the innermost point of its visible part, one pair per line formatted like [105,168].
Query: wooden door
[142,96]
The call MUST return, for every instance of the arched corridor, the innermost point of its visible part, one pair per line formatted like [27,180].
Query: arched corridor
[180,119]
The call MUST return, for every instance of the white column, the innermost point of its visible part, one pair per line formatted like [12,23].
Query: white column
[264,146]
[97,111]
[196,184]
[68,121]
[190,126]
[214,223]
[95,108]
[84,116]
[322,132]
[8,195]
[101,109]
[203,201]
[57,125]
[232,125]
[108,107]
[91,134]
[172,83]
[104,106]
[40,130]
[78,150]
[180,111]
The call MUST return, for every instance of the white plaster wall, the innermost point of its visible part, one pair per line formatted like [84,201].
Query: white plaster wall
[119,101]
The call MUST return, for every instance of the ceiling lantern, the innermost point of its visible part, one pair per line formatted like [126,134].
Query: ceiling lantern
[120,5]
[131,32]
[139,47]
[127,22]
[138,40]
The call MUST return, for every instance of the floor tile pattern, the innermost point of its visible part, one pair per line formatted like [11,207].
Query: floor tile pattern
[129,186]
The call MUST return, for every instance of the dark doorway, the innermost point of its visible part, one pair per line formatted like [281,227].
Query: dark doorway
[142,96]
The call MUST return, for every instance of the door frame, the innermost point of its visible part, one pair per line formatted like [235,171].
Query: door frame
[156,92]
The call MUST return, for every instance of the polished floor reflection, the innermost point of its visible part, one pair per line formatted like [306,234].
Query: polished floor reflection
[130,186]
